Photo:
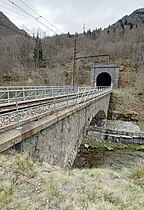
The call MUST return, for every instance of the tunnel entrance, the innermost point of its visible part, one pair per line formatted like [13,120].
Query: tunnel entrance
[103,79]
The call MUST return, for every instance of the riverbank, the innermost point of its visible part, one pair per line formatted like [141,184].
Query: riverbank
[94,153]
[27,185]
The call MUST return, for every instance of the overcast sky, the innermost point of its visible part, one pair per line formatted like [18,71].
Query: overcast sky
[68,15]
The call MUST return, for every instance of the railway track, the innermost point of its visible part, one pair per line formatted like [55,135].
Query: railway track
[10,107]
[19,112]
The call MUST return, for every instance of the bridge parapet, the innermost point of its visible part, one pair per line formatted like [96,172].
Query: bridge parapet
[25,93]
[21,114]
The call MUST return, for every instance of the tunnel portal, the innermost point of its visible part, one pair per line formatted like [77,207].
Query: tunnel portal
[105,75]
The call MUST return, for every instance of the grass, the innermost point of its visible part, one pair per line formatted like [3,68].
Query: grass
[26,185]
[127,102]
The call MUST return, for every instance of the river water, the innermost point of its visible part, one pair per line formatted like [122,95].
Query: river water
[99,154]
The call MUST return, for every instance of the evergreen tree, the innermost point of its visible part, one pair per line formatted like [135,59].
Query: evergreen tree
[131,26]
[38,52]
[69,35]
[125,22]
[89,32]
[123,28]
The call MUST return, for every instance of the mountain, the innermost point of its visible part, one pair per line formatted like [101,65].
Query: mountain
[123,41]
[7,28]
[134,20]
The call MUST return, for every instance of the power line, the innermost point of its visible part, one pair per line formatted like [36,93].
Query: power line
[40,16]
[31,16]
[5,12]
[49,46]
[40,23]
[35,18]
[22,14]
[13,11]
[5,2]
[21,9]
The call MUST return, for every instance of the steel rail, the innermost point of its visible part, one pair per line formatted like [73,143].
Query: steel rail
[20,114]
[23,104]
[44,97]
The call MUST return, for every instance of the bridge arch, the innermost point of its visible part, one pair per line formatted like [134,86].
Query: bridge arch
[103,79]
[98,119]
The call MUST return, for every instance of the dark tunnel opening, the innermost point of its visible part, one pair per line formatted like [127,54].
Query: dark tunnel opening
[104,79]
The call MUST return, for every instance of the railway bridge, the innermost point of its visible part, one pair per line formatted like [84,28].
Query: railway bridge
[47,122]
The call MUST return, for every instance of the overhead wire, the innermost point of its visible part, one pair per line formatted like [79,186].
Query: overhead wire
[25,13]
[36,18]
[40,16]
[5,3]
[9,11]
[13,11]
[13,3]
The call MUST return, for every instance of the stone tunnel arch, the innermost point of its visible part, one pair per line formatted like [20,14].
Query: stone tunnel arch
[98,119]
[103,79]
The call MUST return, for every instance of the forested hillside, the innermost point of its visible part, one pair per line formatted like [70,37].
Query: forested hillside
[26,60]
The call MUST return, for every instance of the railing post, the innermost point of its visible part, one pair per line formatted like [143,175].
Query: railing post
[78,95]
[45,92]
[35,92]
[17,111]
[8,94]
[23,94]
[52,91]
[54,102]
[67,99]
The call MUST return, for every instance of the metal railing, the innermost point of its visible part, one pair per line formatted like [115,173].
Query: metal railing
[9,94]
[20,115]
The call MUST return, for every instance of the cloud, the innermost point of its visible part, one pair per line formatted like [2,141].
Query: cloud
[70,15]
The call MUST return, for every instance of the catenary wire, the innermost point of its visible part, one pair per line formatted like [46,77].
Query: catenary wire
[40,23]
[40,16]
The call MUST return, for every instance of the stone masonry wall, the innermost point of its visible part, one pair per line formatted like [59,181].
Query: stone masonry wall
[55,139]
[111,69]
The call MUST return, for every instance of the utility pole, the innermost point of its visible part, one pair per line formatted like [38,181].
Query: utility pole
[75,58]
[83,28]
[74,62]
